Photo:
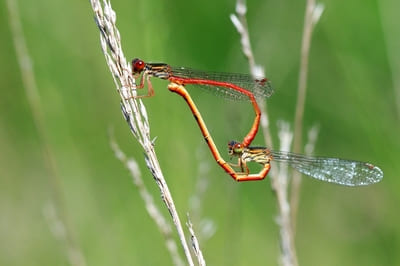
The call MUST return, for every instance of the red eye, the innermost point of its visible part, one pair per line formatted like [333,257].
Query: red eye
[237,145]
[137,65]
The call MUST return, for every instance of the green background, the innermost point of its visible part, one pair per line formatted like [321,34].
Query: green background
[351,97]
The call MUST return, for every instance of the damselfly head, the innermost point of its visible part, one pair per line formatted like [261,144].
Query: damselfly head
[137,65]
[235,148]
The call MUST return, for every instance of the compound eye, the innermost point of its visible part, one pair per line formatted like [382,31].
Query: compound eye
[137,65]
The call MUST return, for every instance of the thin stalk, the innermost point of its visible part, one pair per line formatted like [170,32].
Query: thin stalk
[133,110]
[73,251]
[311,17]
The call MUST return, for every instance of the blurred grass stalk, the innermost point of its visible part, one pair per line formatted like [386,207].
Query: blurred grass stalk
[135,112]
[278,176]
[151,208]
[279,181]
[59,215]
[311,18]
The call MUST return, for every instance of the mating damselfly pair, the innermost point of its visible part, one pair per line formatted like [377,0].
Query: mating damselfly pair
[244,87]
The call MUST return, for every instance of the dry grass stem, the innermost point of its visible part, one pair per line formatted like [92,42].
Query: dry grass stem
[195,243]
[73,251]
[133,110]
[311,17]
[60,232]
[278,175]
[279,179]
[240,23]
[312,137]
[151,208]
[281,189]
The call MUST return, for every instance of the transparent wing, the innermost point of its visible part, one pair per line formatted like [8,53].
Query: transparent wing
[261,88]
[333,170]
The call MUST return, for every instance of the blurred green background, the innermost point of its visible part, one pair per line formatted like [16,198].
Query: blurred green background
[353,74]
